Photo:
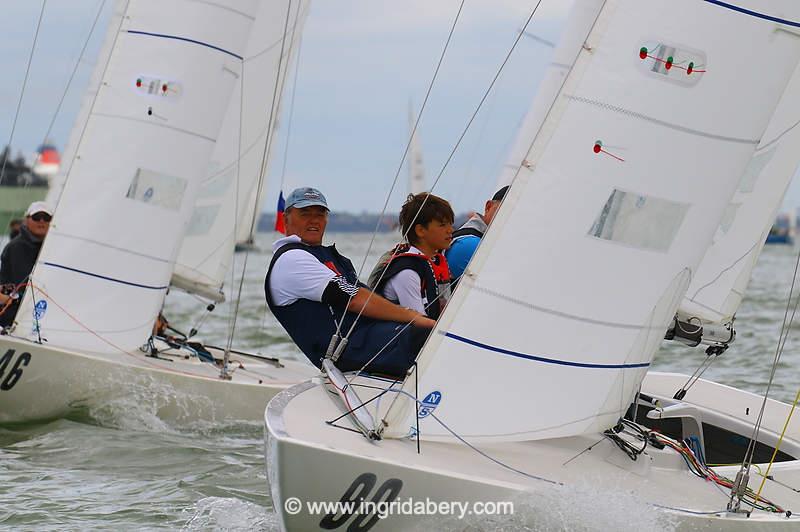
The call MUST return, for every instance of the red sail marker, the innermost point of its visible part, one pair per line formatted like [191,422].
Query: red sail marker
[598,148]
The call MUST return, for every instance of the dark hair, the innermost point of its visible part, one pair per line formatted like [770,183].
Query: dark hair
[422,209]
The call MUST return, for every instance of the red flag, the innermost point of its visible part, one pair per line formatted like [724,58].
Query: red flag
[280,226]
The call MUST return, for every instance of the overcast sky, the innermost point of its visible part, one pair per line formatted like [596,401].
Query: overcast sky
[360,65]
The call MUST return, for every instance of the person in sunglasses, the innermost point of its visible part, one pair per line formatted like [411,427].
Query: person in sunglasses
[19,257]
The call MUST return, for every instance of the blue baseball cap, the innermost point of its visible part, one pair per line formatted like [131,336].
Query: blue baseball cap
[305,197]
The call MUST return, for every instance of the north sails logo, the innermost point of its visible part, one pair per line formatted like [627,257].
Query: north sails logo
[429,404]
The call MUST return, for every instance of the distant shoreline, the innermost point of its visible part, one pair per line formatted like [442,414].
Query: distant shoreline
[345,222]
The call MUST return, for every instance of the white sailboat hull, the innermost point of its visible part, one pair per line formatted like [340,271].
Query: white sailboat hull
[41,382]
[576,489]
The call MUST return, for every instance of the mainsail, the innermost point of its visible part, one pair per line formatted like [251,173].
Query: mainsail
[102,273]
[719,284]
[627,179]
[218,221]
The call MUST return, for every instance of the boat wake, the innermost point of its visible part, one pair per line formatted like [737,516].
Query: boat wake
[223,513]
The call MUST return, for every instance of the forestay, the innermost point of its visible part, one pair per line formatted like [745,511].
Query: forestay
[101,276]
[206,254]
[568,297]
[719,284]
[112,29]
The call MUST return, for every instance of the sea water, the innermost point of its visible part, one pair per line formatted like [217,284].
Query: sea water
[120,467]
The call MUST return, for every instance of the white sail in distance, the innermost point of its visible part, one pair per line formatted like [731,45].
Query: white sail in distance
[218,222]
[719,284]
[416,167]
[101,276]
[568,297]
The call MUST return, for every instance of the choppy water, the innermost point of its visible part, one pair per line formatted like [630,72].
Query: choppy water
[121,467]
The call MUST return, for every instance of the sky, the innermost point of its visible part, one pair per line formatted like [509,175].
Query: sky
[361,64]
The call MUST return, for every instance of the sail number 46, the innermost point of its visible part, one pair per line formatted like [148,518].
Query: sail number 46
[10,377]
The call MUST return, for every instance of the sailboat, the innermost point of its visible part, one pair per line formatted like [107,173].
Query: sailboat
[528,389]
[416,168]
[142,148]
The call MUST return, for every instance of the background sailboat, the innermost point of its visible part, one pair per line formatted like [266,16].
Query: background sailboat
[229,199]
[523,383]
[143,148]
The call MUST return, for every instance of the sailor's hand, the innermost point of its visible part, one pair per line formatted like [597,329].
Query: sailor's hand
[423,321]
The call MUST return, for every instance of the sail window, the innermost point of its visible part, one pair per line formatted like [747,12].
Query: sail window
[639,221]
[157,189]
[753,171]
[202,220]
[217,185]
[673,63]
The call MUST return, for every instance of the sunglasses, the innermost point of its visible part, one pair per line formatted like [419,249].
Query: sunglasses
[41,217]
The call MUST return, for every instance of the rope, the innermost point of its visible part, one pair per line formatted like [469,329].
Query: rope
[782,338]
[400,167]
[123,17]
[452,152]
[291,101]
[22,93]
[74,71]
[270,123]
[778,446]
[106,341]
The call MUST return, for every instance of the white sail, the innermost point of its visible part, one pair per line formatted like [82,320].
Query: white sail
[719,284]
[416,167]
[582,16]
[626,182]
[218,222]
[57,181]
[254,169]
[101,276]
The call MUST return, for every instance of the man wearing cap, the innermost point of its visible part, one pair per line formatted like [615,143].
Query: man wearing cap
[467,237]
[314,291]
[19,257]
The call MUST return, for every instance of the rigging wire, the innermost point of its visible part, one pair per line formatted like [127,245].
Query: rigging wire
[22,92]
[402,161]
[270,125]
[455,147]
[74,71]
[291,101]
[782,338]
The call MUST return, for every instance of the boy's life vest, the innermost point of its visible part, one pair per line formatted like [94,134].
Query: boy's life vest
[433,272]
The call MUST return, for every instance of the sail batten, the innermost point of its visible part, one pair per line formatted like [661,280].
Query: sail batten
[633,158]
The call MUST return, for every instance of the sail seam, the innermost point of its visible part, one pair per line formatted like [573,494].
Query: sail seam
[563,314]
[186,39]
[544,359]
[754,13]
[115,248]
[98,276]
[663,123]
[151,123]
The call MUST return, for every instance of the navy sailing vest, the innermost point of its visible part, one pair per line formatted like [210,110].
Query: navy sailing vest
[311,324]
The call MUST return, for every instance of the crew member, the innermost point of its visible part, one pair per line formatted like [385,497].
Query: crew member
[314,291]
